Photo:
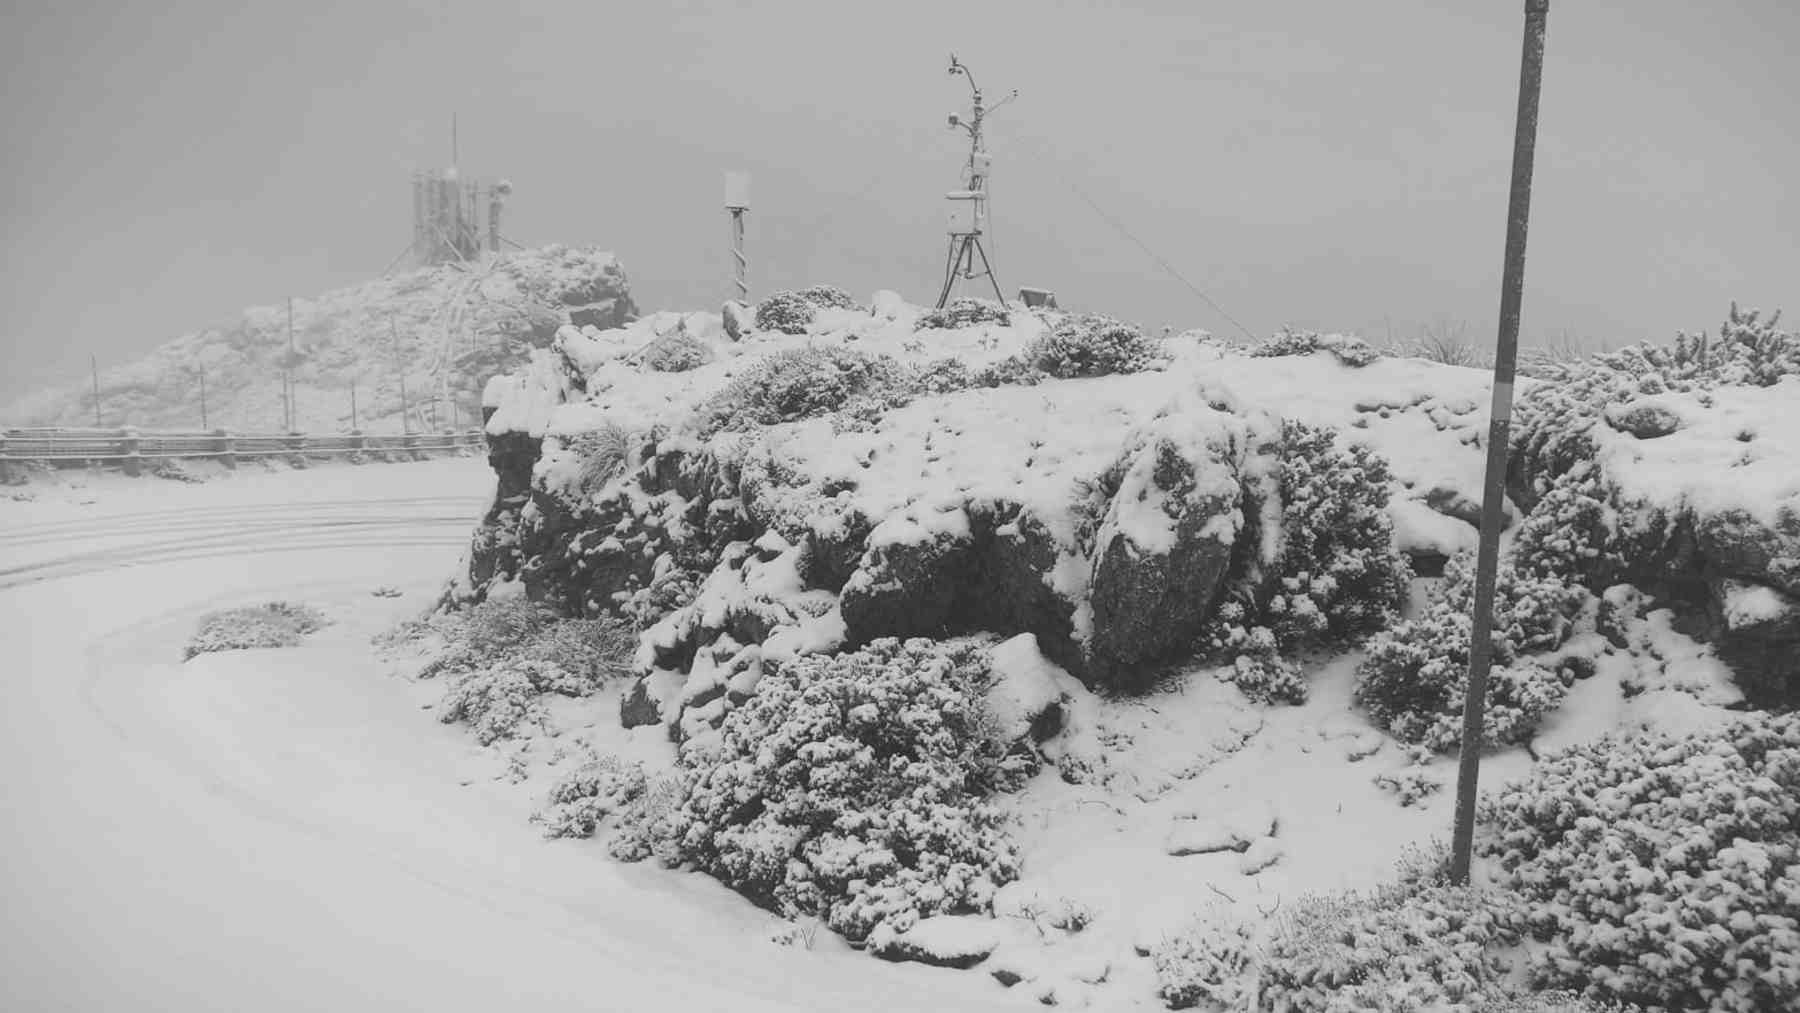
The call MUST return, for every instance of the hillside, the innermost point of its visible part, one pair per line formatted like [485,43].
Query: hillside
[445,329]
[1127,670]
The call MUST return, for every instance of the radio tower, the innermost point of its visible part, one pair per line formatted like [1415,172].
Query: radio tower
[968,216]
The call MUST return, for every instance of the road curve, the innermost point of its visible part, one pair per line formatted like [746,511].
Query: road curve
[292,834]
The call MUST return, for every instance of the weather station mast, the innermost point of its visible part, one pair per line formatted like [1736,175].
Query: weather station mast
[968,215]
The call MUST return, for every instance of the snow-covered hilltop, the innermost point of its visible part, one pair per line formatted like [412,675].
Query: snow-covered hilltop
[447,329]
[954,614]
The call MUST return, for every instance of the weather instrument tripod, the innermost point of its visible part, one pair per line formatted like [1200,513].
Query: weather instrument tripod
[968,216]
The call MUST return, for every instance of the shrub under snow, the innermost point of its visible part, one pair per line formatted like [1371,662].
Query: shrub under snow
[503,654]
[795,384]
[964,312]
[1083,346]
[786,312]
[1414,945]
[1337,574]
[1664,870]
[843,790]
[1416,674]
[1349,350]
[1552,433]
[275,624]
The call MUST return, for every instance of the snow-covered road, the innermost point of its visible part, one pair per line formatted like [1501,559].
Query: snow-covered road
[287,830]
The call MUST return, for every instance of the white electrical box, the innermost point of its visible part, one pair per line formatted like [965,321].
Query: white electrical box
[962,217]
[737,190]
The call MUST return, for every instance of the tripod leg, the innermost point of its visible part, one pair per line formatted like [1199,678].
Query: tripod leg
[951,263]
[989,268]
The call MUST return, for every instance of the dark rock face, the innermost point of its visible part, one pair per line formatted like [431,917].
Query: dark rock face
[1756,631]
[605,314]
[1149,602]
[738,321]
[1645,420]
[1452,502]
[637,709]
[989,577]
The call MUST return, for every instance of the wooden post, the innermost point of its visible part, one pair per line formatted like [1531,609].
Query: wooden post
[227,447]
[1487,560]
[94,365]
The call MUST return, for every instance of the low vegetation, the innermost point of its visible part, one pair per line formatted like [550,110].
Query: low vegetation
[848,788]
[502,655]
[275,624]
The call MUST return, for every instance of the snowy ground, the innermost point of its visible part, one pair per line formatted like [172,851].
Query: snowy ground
[288,829]
[293,829]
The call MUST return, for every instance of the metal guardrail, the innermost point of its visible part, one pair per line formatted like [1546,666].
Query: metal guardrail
[131,446]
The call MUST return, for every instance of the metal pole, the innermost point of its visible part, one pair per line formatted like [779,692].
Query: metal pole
[352,404]
[94,365]
[203,424]
[739,265]
[1512,287]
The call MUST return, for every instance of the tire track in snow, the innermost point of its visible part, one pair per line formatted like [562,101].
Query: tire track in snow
[210,533]
[147,520]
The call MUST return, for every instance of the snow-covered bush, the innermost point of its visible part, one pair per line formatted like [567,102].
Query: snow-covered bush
[842,790]
[1552,433]
[1417,945]
[1663,870]
[787,312]
[1263,675]
[274,624]
[1084,346]
[827,297]
[1340,575]
[1409,786]
[1413,680]
[965,312]
[1349,350]
[604,453]
[496,700]
[677,352]
[1413,947]
[584,796]
[1337,574]
[648,825]
[1210,965]
[798,384]
[1572,530]
[503,654]
[1012,371]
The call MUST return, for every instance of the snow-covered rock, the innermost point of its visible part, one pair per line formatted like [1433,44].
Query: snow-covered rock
[1027,696]
[959,941]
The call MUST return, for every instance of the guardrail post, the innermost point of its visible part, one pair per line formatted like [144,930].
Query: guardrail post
[128,445]
[226,445]
[296,445]
[358,442]
[410,444]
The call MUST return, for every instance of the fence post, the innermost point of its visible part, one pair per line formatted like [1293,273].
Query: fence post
[128,445]
[358,444]
[296,445]
[410,444]
[227,448]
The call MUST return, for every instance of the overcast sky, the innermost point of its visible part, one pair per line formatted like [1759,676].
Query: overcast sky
[1321,163]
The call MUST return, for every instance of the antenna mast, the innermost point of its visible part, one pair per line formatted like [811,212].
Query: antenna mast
[968,217]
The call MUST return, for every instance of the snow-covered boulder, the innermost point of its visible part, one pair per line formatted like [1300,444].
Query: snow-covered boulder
[1027,696]
[959,941]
